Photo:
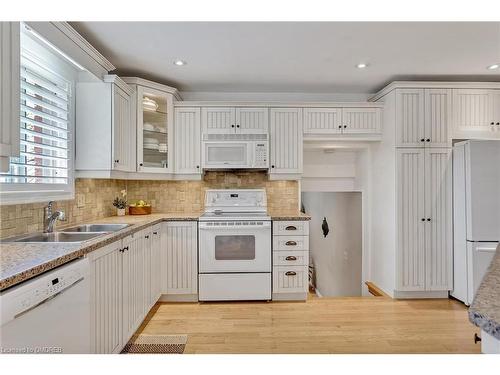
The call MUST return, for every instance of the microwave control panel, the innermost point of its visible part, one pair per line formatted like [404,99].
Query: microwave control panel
[260,154]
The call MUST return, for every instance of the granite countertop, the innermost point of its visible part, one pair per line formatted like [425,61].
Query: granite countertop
[484,311]
[21,261]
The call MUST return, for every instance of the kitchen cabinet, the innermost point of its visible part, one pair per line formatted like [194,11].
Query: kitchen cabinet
[286,143]
[180,262]
[106,299]
[10,62]
[333,121]
[154,118]
[322,120]
[234,120]
[423,117]
[290,260]
[424,219]
[187,134]
[472,110]
[133,283]
[105,136]
[156,257]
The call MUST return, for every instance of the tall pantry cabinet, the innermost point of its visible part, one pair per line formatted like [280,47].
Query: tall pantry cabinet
[420,138]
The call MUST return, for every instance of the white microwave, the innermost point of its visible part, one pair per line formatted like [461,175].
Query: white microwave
[235,151]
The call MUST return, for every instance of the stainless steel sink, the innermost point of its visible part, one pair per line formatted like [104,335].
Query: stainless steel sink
[56,237]
[96,228]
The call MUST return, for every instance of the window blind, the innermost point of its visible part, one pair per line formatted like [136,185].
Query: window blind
[44,128]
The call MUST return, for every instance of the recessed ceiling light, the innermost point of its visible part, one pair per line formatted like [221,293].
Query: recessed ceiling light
[494,66]
[180,62]
[361,65]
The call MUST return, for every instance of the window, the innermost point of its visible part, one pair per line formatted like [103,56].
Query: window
[44,168]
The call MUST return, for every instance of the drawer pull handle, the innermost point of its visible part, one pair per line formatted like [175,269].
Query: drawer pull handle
[291,258]
[290,273]
[291,243]
[291,227]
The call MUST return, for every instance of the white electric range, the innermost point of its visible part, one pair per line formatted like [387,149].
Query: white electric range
[235,246]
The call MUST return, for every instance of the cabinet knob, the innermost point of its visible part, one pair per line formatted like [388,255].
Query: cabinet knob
[291,227]
[197,167]
[146,236]
[232,126]
[155,232]
[422,219]
[290,273]
[498,123]
[492,123]
[140,164]
[291,243]
[340,126]
[291,258]
[428,219]
[428,140]
[237,126]
[125,249]
[272,166]
[117,161]
[422,140]
[345,126]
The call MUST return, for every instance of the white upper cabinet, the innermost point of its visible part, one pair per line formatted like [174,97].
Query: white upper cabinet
[437,117]
[423,117]
[10,62]
[410,118]
[286,146]
[187,135]
[476,113]
[322,120]
[342,120]
[361,120]
[438,215]
[252,120]
[231,120]
[218,120]
[105,135]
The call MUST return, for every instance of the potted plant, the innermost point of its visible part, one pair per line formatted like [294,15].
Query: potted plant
[121,203]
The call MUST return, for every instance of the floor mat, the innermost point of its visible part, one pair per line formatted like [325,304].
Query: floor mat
[156,344]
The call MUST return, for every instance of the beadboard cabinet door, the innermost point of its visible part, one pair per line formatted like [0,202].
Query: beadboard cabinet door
[438,116]
[252,120]
[439,216]
[494,104]
[361,120]
[133,277]
[124,131]
[286,146]
[471,110]
[410,219]
[181,265]
[322,120]
[106,299]
[218,120]
[156,258]
[410,119]
[10,62]
[187,133]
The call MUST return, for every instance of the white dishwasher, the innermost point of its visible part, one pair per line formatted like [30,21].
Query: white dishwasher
[49,313]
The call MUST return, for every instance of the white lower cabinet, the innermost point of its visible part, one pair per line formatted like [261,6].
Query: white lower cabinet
[180,260]
[106,299]
[424,219]
[156,250]
[290,260]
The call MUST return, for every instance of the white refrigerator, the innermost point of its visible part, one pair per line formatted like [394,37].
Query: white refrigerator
[476,213]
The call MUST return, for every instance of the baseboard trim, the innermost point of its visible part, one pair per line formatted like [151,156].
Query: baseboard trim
[375,290]
[420,294]
[178,298]
[289,296]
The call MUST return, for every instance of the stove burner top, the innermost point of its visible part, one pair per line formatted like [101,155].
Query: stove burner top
[207,216]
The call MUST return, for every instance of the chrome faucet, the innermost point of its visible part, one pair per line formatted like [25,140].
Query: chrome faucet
[51,217]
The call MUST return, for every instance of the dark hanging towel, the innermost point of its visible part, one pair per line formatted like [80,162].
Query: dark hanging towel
[325,227]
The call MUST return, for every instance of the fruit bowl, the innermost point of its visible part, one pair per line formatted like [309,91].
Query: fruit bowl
[139,210]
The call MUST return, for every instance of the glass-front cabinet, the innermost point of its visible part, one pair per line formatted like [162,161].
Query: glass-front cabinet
[155,110]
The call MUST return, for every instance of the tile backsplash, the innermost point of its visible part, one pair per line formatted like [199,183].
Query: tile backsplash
[165,196]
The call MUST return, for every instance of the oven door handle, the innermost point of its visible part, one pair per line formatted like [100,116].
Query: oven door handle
[234,227]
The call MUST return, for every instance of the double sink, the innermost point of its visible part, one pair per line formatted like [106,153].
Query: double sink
[78,233]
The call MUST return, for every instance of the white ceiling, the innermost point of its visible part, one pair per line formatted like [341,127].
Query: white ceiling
[296,57]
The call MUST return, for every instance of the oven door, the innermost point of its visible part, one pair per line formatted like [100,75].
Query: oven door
[223,155]
[235,246]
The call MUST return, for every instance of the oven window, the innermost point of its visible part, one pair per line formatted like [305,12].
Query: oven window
[234,247]
[231,154]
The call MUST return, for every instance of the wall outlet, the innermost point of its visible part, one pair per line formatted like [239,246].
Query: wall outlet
[80,200]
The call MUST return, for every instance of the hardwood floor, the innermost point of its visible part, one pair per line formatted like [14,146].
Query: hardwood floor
[320,325]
